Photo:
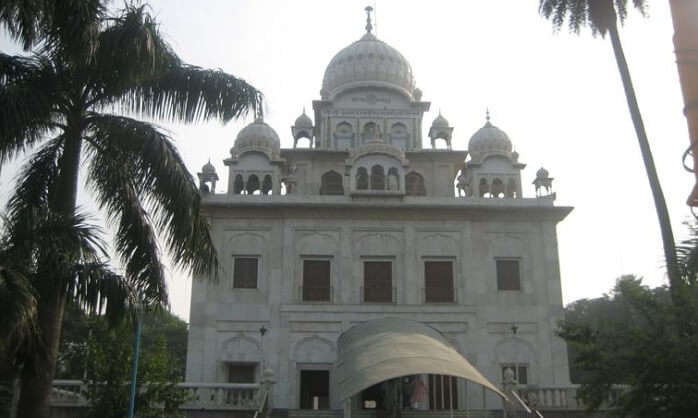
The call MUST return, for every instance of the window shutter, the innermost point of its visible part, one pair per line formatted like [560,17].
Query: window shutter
[378,281]
[438,281]
[316,280]
[508,276]
[245,273]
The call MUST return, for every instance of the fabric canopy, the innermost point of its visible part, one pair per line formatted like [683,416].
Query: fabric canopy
[387,348]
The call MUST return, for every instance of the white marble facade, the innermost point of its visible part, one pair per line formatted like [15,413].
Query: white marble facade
[436,204]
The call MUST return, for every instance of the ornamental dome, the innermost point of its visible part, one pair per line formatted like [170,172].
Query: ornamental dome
[489,139]
[542,173]
[368,62]
[208,168]
[257,136]
[440,122]
[303,121]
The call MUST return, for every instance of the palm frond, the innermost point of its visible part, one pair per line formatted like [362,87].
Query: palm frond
[28,103]
[130,50]
[160,178]
[598,15]
[19,333]
[67,27]
[35,184]
[99,290]
[114,179]
[190,94]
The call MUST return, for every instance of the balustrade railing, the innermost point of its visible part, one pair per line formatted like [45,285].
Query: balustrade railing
[220,396]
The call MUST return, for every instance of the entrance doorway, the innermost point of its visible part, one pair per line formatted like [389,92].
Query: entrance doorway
[315,389]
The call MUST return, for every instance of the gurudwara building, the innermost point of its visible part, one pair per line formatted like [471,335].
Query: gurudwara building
[367,227]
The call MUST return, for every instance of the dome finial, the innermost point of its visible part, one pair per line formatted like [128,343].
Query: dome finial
[369,26]
[487,114]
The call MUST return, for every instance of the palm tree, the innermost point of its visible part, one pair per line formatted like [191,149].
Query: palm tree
[602,17]
[64,101]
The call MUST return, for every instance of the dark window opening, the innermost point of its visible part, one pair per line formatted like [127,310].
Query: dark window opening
[315,389]
[361,179]
[378,281]
[508,276]
[331,183]
[241,373]
[377,178]
[267,185]
[245,273]
[316,280]
[443,392]
[414,185]
[438,281]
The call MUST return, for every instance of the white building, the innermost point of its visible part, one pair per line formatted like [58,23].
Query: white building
[365,223]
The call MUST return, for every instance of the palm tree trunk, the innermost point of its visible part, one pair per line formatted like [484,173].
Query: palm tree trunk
[657,194]
[38,373]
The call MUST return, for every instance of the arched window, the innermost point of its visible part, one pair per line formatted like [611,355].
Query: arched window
[414,184]
[484,187]
[399,136]
[266,185]
[344,136]
[252,184]
[497,188]
[511,189]
[331,183]
[238,184]
[377,177]
[371,132]
[393,179]
[361,179]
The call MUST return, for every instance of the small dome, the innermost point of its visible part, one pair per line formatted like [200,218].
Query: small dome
[257,136]
[440,122]
[303,121]
[542,173]
[489,139]
[208,168]
[368,62]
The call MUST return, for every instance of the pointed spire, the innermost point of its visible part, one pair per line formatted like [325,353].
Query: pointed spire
[487,117]
[369,26]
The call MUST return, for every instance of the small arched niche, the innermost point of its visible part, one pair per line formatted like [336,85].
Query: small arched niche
[331,183]
[414,184]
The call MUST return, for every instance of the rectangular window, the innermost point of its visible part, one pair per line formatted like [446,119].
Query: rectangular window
[378,281]
[245,273]
[443,392]
[508,276]
[316,280]
[520,372]
[438,281]
[241,372]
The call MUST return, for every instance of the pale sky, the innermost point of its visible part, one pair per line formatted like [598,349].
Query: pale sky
[558,96]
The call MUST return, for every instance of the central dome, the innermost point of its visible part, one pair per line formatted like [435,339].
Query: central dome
[368,62]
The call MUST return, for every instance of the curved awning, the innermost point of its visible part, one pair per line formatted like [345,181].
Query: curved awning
[387,348]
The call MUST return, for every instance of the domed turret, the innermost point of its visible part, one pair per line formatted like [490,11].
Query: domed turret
[208,178]
[440,129]
[368,62]
[302,128]
[489,140]
[257,136]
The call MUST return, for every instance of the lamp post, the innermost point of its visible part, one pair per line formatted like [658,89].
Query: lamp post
[262,331]
[136,349]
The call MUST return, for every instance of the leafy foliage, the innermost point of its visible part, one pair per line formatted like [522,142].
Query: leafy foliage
[639,337]
[598,15]
[85,63]
[109,355]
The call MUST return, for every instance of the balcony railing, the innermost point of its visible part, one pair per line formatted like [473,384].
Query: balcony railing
[438,294]
[215,396]
[379,294]
[316,294]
